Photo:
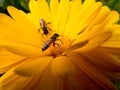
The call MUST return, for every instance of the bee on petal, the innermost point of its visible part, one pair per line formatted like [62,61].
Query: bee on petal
[44,27]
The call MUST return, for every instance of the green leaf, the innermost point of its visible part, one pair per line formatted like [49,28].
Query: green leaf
[20,4]
[24,4]
[3,6]
[112,4]
[117,85]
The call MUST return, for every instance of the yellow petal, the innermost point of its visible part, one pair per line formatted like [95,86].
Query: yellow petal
[115,51]
[21,18]
[95,26]
[75,7]
[114,17]
[80,81]
[8,60]
[35,20]
[44,81]
[103,60]
[63,15]
[34,12]
[21,48]
[34,66]
[85,14]
[102,15]
[12,30]
[114,41]
[54,8]
[76,46]
[62,66]
[12,81]
[91,71]
[86,5]
[49,82]
[44,10]
[95,41]
[39,9]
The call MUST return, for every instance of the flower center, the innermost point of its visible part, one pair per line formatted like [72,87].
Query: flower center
[55,44]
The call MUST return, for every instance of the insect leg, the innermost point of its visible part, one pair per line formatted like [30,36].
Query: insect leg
[48,23]
[56,44]
[49,28]
[59,40]
[39,29]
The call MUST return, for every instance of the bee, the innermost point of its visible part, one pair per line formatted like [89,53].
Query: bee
[50,41]
[44,27]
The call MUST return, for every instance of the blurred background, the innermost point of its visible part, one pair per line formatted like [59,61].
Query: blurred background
[23,5]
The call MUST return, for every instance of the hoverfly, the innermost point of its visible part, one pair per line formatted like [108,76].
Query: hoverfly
[44,27]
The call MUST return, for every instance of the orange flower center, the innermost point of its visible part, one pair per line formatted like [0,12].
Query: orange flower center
[55,46]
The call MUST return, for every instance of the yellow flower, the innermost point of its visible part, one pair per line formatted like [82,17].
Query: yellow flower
[76,48]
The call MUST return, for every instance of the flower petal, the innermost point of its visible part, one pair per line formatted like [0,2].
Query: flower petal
[13,81]
[12,30]
[81,81]
[62,66]
[54,8]
[34,14]
[44,9]
[92,42]
[104,60]
[114,17]
[48,81]
[8,60]
[75,7]
[20,48]
[85,15]
[34,66]
[114,41]
[91,71]
[21,18]
[96,41]
[102,15]
[39,9]
[76,46]
[92,30]
[113,76]
[114,51]
[63,14]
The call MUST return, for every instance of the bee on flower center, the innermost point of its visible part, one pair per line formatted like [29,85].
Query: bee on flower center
[44,27]
[50,41]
